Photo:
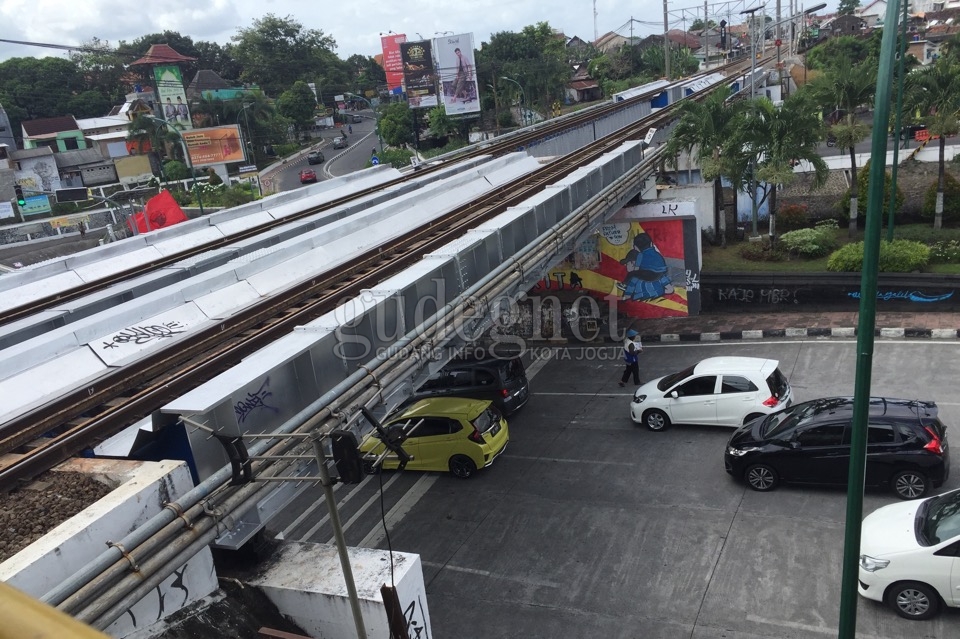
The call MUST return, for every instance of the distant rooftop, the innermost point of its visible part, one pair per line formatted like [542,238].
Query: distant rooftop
[162,54]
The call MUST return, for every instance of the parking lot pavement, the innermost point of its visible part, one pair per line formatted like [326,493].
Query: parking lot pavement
[589,526]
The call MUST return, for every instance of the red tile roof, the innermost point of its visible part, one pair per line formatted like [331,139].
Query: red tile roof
[162,54]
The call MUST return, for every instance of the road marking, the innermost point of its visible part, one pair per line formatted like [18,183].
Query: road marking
[316,504]
[537,366]
[487,573]
[326,517]
[574,461]
[398,512]
[589,394]
[804,626]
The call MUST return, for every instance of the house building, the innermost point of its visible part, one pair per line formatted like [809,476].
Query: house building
[845,25]
[872,13]
[61,133]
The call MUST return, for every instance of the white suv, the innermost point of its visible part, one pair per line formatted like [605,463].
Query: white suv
[727,391]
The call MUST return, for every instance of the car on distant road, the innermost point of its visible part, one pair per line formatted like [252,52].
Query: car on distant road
[441,434]
[502,380]
[308,176]
[315,157]
[340,143]
[809,443]
[910,555]
[356,119]
[725,391]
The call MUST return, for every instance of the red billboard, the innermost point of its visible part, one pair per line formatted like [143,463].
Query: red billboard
[392,63]
[214,145]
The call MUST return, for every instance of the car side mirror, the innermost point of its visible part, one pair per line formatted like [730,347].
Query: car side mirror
[674,394]
[794,444]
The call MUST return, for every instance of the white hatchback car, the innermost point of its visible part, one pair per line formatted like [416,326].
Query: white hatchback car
[910,555]
[727,391]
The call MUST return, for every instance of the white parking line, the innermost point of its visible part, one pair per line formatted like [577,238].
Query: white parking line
[805,626]
[573,461]
[398,512]
[487,573]
[353,492]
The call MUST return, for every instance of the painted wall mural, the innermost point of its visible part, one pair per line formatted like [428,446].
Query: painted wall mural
[649,268]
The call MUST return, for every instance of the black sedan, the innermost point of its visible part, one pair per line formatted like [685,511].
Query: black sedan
[809,443]
[315,157]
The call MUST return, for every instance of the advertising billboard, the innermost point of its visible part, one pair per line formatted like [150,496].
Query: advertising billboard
[458,78]
[214,145]
[173,101]
[392,63]
[419,76]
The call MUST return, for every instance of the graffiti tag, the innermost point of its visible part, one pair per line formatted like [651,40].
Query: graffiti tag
[243,408]
[669,209]
[761,296]
[143,334]
[909,296]
[693,280]
[416,621]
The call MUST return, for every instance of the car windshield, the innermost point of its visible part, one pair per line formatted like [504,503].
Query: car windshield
[938,519]
[670,380]
[776,424]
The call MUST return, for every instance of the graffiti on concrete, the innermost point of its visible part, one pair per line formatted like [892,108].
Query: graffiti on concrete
[745,295]
[143,334]
[908,296]
[253,401]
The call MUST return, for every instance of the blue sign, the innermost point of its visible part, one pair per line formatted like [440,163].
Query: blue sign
[375,160]
[35,205]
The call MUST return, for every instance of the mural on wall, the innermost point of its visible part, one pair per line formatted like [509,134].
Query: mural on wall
[644,266]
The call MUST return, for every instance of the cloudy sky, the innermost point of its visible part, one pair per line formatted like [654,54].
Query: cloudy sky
[356,26]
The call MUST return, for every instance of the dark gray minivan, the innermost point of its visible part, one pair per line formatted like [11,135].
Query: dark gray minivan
[502,381]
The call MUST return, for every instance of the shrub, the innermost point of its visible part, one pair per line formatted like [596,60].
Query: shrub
[899,256]
[951,200]
[863,189]
[809,243]
[175,170]
[945,252]
[792,217]
[761,252]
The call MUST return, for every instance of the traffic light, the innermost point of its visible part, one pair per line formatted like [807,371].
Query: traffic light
[21,201]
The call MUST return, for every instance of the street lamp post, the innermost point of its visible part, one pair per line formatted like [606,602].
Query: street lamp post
[186,153]
[376,114]
[523,100]
[249,139]
[753,47]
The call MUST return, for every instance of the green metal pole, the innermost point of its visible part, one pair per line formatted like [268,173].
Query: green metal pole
[865,328]
[896,126]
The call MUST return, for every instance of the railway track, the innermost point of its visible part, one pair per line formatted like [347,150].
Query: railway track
[85,417]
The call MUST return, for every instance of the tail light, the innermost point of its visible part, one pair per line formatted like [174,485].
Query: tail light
[476,436]
[771,401]
[504,393]
[934,445]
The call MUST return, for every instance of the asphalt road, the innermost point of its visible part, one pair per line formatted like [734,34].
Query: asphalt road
[589,526]
[338,161]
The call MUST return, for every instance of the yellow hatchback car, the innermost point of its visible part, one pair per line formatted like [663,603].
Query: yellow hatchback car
[449,433]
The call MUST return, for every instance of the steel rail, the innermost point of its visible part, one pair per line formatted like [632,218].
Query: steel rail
[508,144]
[123,397]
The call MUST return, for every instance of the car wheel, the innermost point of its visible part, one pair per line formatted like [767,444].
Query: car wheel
[462,466]
[761,477]
[910,484]
[369,468]
[656,420]
[913,600]
[752,416]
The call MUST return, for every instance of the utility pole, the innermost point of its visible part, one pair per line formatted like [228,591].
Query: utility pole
[706,38]
[897,131]
[666,42]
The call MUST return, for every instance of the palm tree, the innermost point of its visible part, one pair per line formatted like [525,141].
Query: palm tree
[785,136]
[935,92]
[702,130]
[846,87]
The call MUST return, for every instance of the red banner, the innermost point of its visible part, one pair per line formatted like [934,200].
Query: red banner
[161,211]
[392,63]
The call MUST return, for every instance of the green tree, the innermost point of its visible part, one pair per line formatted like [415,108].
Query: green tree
[298,104]
[702,130]
[835,51]
[766,145]
[847,7]
[442,125]
[396,124]
[935,92]
[103,69]
[276,52]
[698,24]
[846,87]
